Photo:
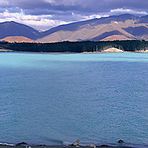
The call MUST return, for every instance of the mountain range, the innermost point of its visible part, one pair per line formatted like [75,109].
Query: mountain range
[121,27]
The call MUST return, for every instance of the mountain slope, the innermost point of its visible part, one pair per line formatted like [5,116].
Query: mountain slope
[92,22]
[143,19]
[140,32]
[122,27]
[16,29]
[115,37]
[127,26]
[88,32]
[17,39]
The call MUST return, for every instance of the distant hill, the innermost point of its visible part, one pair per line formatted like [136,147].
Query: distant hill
[17,39]
[16,29]
[115,38]
[121,27]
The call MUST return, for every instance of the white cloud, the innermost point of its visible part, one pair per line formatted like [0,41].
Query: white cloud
[80,17]
[93,16]
[130,11]
[40,22]
[64,2]
[4,2]
[44,22]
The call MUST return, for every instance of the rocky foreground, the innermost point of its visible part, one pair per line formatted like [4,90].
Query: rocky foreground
[44,146]
[76,144]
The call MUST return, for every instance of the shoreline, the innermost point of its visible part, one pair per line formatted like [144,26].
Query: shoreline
[68,53]
[5,50]
[25,145]
[56,53]
[99,52]
[95,52]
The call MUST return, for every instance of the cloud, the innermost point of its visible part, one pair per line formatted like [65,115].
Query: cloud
[79,6]
[4,3]
[44,14]
[129,11]
[40,22]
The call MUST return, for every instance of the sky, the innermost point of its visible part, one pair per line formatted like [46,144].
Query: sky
[45,14]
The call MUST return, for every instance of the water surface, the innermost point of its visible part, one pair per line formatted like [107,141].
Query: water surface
[49,98]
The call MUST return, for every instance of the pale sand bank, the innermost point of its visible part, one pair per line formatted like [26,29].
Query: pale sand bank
[109,50]
[4,50]
[112,50]
[142,51]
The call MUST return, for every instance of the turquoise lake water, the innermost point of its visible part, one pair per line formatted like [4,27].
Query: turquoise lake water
[55,98]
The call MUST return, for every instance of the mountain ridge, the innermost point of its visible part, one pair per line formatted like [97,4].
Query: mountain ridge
[125,26]
[11,28]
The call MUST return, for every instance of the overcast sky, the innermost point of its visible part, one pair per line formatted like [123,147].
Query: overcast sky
[44,14]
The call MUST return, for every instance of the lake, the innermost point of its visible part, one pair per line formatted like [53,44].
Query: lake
[55,98]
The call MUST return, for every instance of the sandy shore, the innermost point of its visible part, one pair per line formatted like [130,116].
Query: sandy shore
[112,50]
[4,50]
[142,51]
[108,50]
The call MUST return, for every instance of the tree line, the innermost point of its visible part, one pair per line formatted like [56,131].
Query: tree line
[76,47]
